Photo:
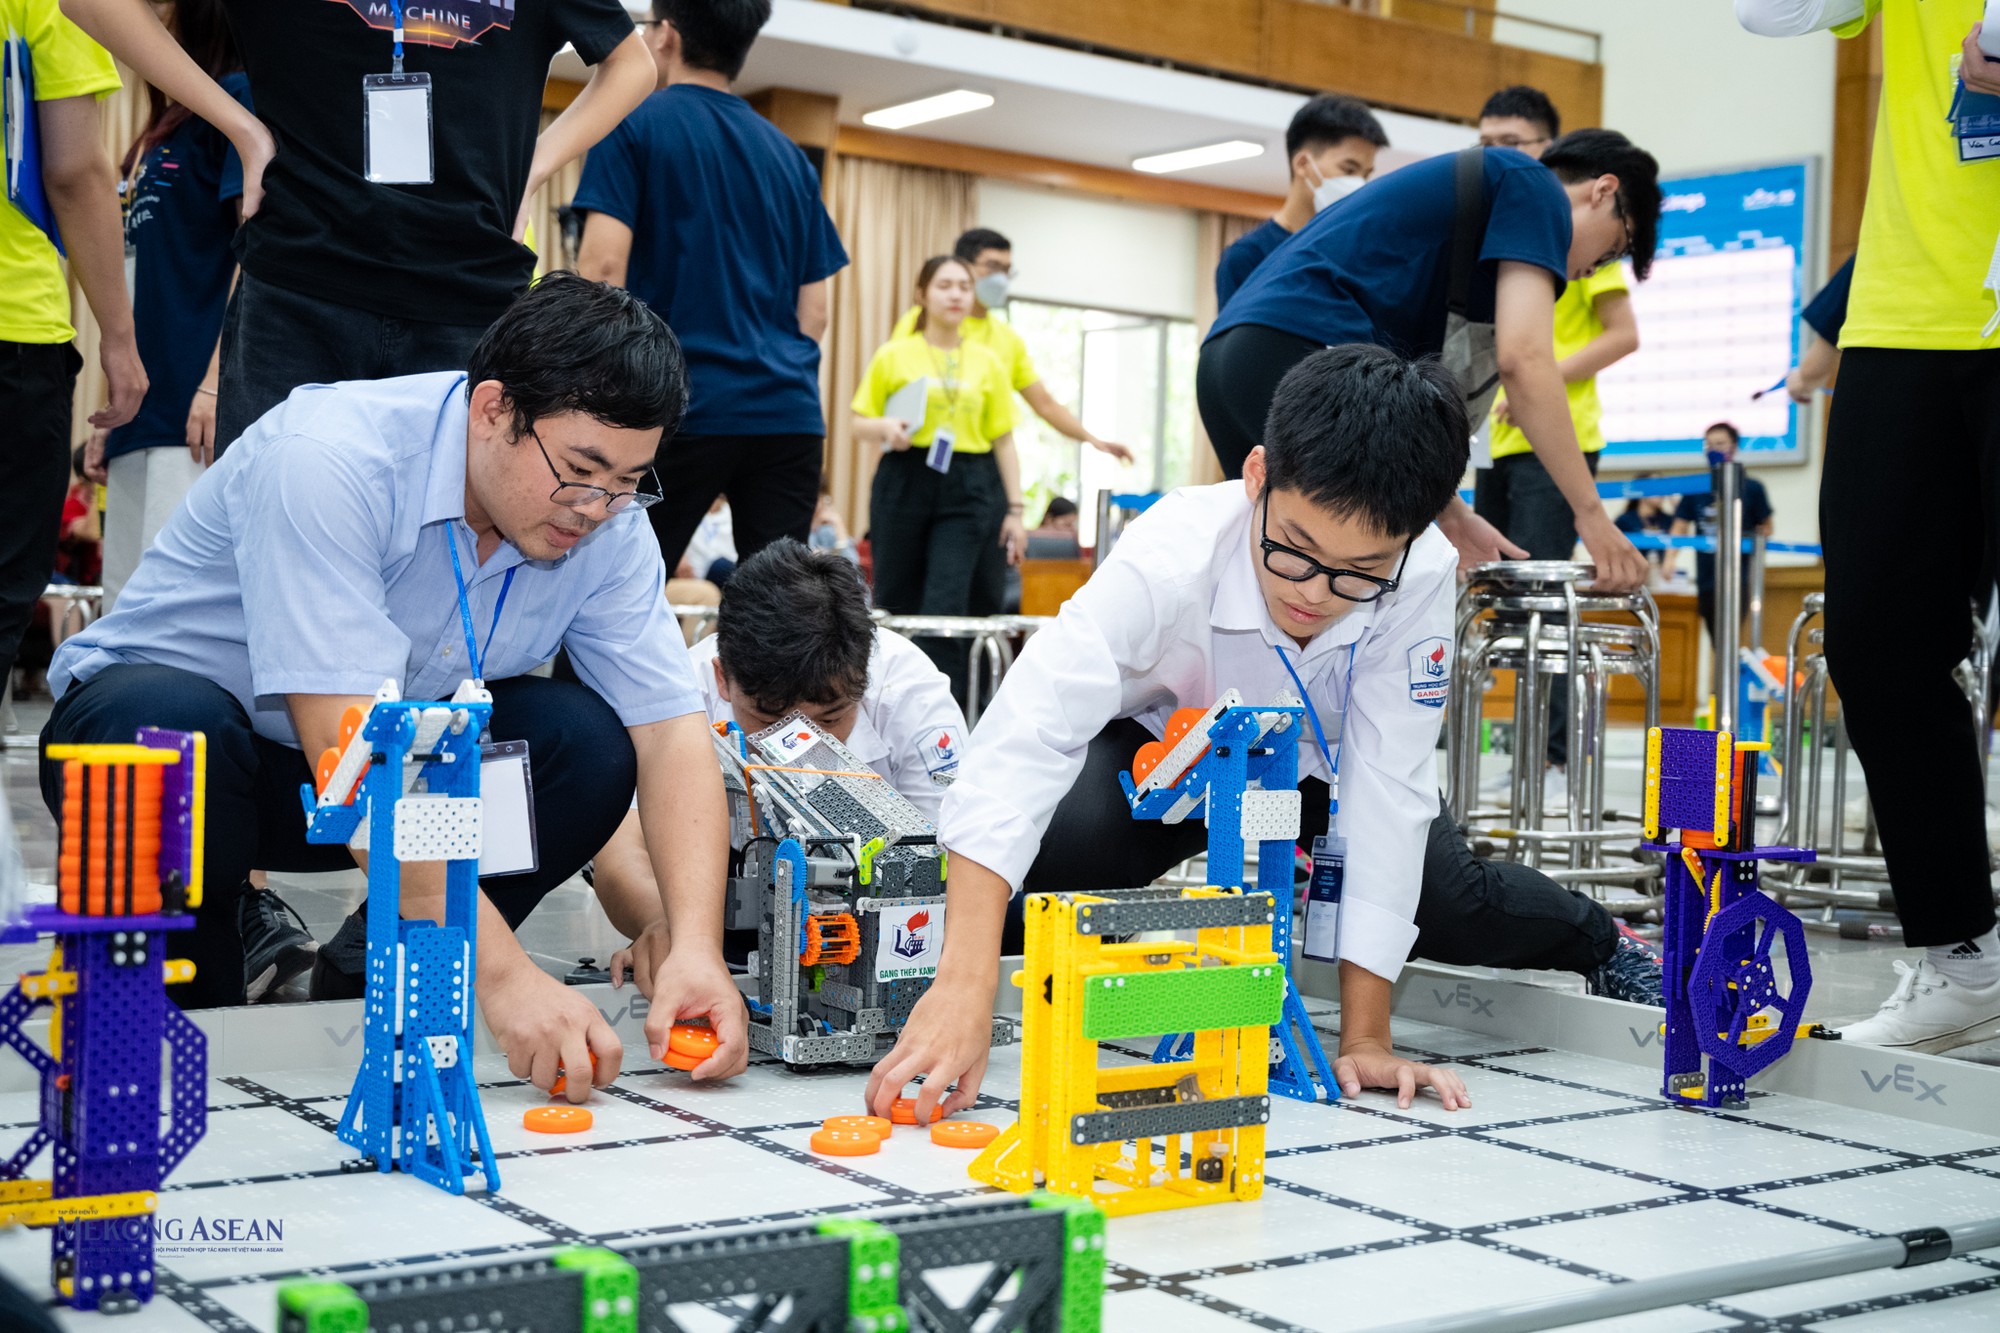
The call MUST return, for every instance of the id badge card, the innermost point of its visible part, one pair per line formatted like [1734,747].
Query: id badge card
[1975,120]
[1329,872]
[396,129]
[507,843]
[940,455]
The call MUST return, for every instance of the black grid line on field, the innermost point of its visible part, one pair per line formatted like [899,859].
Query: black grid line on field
[656,1090]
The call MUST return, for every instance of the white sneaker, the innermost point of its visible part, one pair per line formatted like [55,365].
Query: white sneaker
[1555,793]
[1929,1012]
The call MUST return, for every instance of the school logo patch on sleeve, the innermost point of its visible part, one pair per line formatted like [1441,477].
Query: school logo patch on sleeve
[940,751]
[1430,672]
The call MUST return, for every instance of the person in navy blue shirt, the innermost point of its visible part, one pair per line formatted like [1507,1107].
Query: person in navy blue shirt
[1825,315]
[1330,146]
[1376,268]
[1695,516]
[184,184]
[709,214]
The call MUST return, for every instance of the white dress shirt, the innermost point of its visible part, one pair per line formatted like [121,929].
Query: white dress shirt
[1174,618]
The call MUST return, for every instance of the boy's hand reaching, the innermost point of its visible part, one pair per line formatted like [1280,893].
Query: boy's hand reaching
[1368,1065]
[947,1040]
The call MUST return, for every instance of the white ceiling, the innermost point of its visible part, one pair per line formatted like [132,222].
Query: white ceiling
[1048,100]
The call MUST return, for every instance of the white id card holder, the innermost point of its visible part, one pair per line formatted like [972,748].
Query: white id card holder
[1329,872]
[396,129]
[940,455]
[507,843]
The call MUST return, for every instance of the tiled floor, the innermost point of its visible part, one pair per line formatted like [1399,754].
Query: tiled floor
[1567,1179]
[1568,1173]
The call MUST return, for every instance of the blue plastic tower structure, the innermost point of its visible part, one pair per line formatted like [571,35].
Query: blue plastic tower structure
[1727,1002]
[106,981]
[1251,759]
[415,1105]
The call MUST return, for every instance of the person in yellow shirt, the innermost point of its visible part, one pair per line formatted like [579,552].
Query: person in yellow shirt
[1595,328]
[1908,497]
[945,511]
[74,196]
[990,256]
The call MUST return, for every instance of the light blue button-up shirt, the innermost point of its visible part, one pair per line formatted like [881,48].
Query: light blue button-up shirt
[313,559]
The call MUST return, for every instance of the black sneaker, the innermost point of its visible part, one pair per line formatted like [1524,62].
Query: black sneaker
[276,944]
[1631,973]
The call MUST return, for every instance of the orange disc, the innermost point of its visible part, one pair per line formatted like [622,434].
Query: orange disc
[868,1124]
[1147,758]
[688,1046]
[964,1133]
[845,1142]
[562,1077]
[904,1111]
[556,1119]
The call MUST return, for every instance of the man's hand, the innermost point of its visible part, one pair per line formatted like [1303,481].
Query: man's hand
[695,983]
[255,148]
[895,434]
[93,457]
[125,378]
[1620,566]
[201,426]
[1981,75]
[1116,450]
[548,1028]
[947,1040]
[645,955]
[1013,538]
[1478,542]
[1368,1065]
[1796,386]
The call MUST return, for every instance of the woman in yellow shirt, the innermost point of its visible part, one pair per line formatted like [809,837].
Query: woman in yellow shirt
[945,512]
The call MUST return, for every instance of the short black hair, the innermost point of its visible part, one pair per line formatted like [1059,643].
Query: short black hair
[1735,435]
[1583,155]
[572,345]
[1060,507]
[793,629]
[1530,104]
[1361,431]
[715,34]
[979,240]
[1327,120]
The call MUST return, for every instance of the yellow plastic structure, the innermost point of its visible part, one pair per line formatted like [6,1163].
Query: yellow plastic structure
[1116,1136]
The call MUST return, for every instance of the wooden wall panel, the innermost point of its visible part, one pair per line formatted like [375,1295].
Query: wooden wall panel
[1857,89]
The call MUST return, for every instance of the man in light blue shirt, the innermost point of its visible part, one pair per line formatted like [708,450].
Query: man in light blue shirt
[323,554]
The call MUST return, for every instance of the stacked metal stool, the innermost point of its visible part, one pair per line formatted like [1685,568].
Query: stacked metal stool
[1540,620]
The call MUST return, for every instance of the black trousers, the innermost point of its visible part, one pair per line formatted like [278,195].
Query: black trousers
[772,482]
[1471,912]
[36,381]
[1908,506]
[1234,382]
[275,339]
[580,759]
[1518,496]
[936,538]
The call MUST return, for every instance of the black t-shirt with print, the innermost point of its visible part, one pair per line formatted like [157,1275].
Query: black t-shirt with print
[441,253]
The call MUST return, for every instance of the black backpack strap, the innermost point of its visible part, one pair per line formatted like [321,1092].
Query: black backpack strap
[1468,228]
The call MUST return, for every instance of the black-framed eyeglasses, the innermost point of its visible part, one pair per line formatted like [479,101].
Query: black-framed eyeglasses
[1509,141]
[1298,567]
[1625,249]
[576,495]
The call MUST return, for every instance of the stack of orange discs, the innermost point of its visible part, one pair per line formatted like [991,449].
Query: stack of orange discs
[874,1124]
[561,1084]
[964,1133]
[556,1119]
[688,1046]
[904,1111]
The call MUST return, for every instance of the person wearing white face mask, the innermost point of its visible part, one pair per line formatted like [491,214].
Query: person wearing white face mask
[1331,145]
[990,256]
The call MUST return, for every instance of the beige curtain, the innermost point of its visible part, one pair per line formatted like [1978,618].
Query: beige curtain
[1214,233]
[120,118]
[891,218]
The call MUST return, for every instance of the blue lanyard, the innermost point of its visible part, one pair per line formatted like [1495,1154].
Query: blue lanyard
[475,658]
[1312,715]
[396,10]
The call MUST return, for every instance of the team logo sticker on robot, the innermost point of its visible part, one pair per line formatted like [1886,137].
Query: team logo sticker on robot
[910,941]
[1430,672]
